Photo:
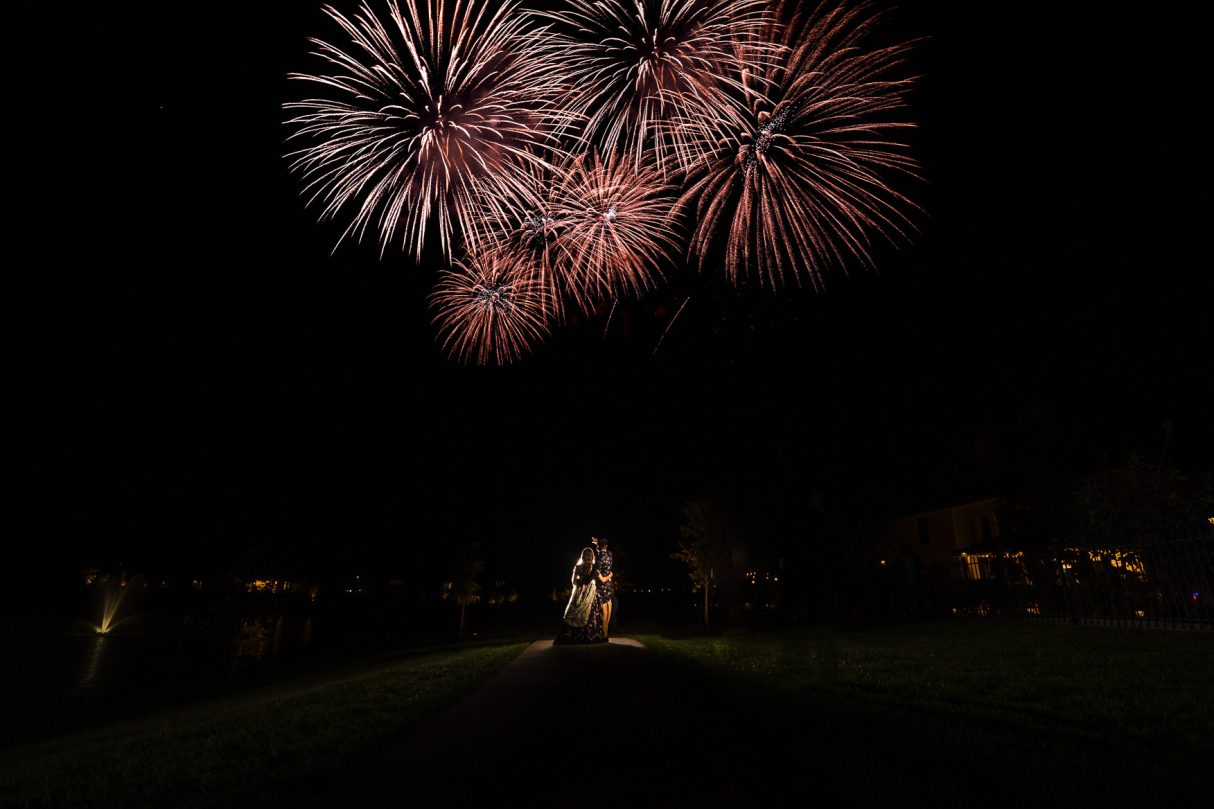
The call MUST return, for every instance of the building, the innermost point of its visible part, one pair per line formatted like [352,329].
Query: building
[936,536]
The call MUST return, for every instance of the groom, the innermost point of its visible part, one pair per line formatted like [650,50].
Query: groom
[602,567]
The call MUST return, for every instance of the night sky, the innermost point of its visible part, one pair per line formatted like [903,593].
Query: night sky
[211,381]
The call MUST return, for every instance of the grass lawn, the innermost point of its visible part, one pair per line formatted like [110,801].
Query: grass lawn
[263,747]
[956,712]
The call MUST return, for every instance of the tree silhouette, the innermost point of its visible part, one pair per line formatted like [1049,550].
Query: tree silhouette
[706,546]
[465,587]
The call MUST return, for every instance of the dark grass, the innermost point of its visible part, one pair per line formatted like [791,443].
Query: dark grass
[957,712]
[270,745]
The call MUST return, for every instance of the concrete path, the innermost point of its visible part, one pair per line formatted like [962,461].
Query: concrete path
[583,726]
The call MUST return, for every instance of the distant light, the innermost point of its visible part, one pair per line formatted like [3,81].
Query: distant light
[883,561]
[1140,613]
[1196,593]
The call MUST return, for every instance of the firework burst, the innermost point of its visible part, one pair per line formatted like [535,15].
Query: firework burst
[617,228]
[489,310]
[802,181]
[426,115]
[600,230]
[529,236]
[634,65]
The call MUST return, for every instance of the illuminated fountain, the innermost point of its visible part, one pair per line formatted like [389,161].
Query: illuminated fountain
[113,596]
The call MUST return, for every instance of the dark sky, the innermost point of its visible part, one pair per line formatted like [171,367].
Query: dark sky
[209,381]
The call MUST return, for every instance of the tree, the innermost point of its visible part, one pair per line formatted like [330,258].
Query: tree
[465,587]
[706,546]
[1143,501]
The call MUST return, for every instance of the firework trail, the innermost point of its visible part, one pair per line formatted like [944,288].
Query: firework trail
[426,115]
[488,309]
[635,65]
[670,325]
[801,182]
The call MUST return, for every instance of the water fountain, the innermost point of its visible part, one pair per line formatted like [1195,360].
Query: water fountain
[113,595]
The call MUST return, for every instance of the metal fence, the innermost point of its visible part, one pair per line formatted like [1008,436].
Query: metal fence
[1163,582]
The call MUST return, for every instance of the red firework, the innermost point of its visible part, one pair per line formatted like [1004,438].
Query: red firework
[636,65]
[489,309]
[803,179]
[617,228]
[442,107]
[528,237]
[600,231]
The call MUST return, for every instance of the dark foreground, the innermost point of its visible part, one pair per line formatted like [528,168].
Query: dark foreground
[969,712]
[275,743]
[953,713]
[586,726]
[948,714]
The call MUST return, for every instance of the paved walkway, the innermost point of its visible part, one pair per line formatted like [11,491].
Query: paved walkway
[582,726]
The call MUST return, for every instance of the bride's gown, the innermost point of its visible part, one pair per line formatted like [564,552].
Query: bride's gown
[583,620]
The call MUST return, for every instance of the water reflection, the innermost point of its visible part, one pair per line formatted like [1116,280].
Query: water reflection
[92,665]
[264,637]
[95,666]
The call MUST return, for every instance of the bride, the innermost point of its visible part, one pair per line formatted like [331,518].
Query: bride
[583,620]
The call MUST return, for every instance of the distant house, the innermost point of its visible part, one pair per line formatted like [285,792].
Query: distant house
[936,536]
[282,587]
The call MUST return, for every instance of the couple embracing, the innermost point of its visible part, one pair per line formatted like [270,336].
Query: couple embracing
[588,615]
